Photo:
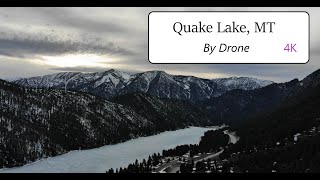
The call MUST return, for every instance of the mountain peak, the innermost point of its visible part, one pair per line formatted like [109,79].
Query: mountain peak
[246,83]
[314,75]
[156,72]
[112,82]
[111,70]
[313,79]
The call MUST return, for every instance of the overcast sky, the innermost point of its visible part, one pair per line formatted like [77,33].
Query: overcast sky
[39,41]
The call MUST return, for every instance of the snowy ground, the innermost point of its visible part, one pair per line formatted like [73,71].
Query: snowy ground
[112,156]
[233,137]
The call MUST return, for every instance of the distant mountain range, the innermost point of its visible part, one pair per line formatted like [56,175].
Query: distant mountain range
[51,115]
[112,83]
[240,104]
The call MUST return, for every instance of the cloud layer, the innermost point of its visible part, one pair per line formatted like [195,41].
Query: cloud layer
[29,34]
[32,47]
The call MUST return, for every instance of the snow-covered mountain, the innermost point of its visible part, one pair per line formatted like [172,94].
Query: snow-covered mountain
[38,123]
[112,83]
[237,105]
[10,79]
[244,83]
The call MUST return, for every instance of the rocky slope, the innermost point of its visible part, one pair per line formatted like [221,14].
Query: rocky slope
[112,83]
[38,123]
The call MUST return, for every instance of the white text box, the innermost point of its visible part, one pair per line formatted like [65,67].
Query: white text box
[229,37]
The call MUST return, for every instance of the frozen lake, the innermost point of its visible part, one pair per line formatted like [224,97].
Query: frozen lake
[98,160]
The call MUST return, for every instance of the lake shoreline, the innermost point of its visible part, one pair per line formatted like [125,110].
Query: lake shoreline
[74,160]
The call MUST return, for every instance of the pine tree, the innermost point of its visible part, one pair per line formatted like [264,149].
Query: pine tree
[149,161]
[208,165]
[111,171]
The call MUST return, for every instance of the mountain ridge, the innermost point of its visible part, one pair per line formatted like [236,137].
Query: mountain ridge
[157,83]
[237,105]
[40,123]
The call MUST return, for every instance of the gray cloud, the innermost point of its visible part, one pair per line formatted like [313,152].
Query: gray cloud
[29,47]
[315,48]
[79,69]
[67,17]
[26,34]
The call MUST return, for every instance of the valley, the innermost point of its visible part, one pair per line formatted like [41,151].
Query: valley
[118,90]
[50,127]
[41,123]
[112,156]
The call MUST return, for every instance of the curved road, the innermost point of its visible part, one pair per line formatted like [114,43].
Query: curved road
[175,164]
